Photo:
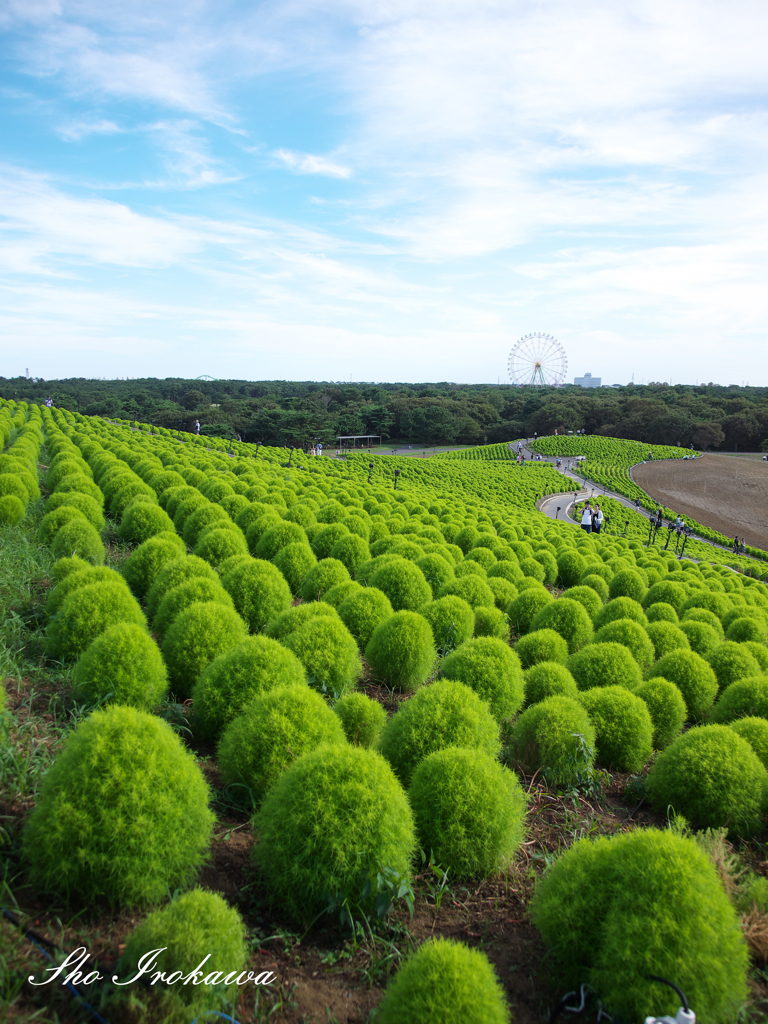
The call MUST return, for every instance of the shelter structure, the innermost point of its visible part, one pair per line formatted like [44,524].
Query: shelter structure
[366,440]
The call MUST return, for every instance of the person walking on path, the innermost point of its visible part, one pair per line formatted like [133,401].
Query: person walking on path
[586,519]
[597,519]
[742,548]
[735,545]
[197,426]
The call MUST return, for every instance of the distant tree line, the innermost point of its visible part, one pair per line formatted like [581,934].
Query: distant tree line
[297,413]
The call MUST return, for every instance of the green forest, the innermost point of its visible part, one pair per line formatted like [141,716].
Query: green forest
[709,416]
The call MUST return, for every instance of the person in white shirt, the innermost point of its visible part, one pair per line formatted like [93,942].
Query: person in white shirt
[586,519]
[597,519]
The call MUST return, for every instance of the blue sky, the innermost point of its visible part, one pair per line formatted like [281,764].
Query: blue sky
[388,191]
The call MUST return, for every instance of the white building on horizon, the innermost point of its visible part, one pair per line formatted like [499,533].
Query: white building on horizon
[587,381]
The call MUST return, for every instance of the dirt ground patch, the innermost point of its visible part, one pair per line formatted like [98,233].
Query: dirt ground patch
[723,492]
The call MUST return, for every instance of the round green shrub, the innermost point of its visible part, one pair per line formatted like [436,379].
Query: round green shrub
[666,707]
[632,635]
[259,592]
[627,583]
[126,495]
[533,569]
[491,622]
[541,645]
[692,676]
[176,600]
[760,653]
[86,612]
[568,618]
[492,669]
[12,510]
[731,662]
[352,551]
[79,538]
[570,567]
[661,612]
[322,577]
[744,612]
[328,652]
[482,555]
[294,562]
[199,634]
[401,651]
[278,537]
[12,484]
[755,732]
[718,604]
[341,592]
[82,502]
[324,538]
[526,607]
[233,679]
[623,727]
[403,583]
[548,679]
[363,611]
[145,562]
[81,576]
[361,717]
[702,638]
[81,483]
[273,730]
[667,592]
[549,564]
[593,906]
[743,629]
[173,574]
[445,714]
[122,666]
[504,592]
[712,777]
[187,507]
[472,589]
[546,737]
[505,570]
[604,664]
[747,697]
[331,821]
[469,811]
[587,597]
[196,925]
[451,619]
[296,617]
[620,608]
[705,616]
[122,812]
[217,545]
[666,637]
[436,570]
[446,982]
[596,583]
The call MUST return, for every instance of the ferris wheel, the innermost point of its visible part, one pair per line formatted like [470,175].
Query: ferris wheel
[538,359]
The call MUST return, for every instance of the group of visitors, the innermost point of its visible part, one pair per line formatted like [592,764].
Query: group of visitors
[739,547]
[317,449]
[592,518]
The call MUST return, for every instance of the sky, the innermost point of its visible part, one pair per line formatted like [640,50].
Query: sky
[389,191]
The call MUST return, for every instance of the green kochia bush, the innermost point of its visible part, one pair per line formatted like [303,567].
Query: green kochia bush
[328,652]
[363,611]
[199,634]
[632,636]
[444,982]
[745,697]
[472,589]
[176,600]
[401,651]
[604,664]
[620,608]
[548,679]
[701,636]
[586,596]
[79,538]
[526,606]
[623,727]
[705,616]
[546,737]
[81,574]
[593,907]
[692,676]
[232,680]
[216,545]
[665,591]
[142,521]
[322,577]
[568,618]
[82,502]
[730,662]
[760,653]
[275,729]
[403,583]
[172,575]
[744,628]
[436,569]
[570,566]
[712,777]
[86,613]
[298,616]
[445,714]
[122,812]
[661,612]
[143,565]
[294,561]
[755,732]
[469,811]
[198,924]
[542,645]
[122,666]
[451,619]
[666,707]
[362,718]
[330,823]
[12,510]
[259,592]
[492,670]
[666,637]
[627,583]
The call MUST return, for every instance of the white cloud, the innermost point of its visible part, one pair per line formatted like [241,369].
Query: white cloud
[73,131]
[309,163]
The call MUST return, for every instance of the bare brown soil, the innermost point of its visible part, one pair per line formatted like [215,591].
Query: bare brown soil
[722,492]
